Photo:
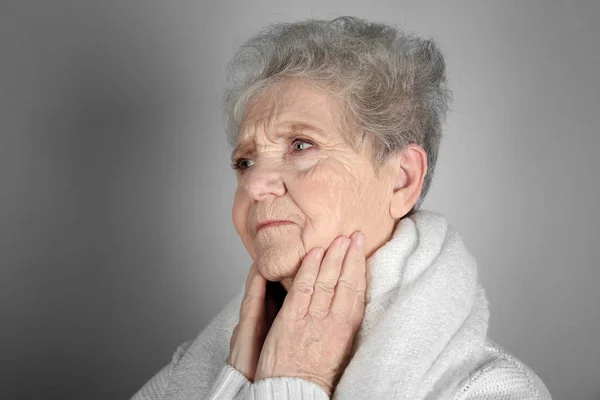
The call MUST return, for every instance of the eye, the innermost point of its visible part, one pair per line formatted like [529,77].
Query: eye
[300,145]
[241,164]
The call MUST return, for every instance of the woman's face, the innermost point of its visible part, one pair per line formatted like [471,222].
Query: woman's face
[295,166]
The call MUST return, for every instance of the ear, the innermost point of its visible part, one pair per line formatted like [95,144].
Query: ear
[410,167]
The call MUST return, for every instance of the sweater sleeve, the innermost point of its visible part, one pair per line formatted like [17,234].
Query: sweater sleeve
[285,388]
[156,387]
[506,379]
[230,384]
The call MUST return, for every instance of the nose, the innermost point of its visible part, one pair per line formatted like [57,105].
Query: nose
[264,180]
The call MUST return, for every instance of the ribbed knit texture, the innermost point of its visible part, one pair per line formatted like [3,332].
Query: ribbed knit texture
[230,384]
[423,336]
[286,389]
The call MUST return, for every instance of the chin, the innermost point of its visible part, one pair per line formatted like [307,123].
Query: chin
[278,262]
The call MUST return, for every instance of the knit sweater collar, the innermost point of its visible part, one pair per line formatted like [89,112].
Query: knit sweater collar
[426,317]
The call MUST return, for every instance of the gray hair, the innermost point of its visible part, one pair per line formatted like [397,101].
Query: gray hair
[391,84]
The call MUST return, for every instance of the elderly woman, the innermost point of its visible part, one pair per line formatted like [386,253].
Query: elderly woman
[354,292]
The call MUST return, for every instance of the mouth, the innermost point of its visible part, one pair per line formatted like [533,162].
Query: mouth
[271,224]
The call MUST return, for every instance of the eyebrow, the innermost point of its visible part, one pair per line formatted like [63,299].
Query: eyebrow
[291,127]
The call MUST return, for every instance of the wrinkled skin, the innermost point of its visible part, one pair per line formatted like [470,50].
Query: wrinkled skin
[326,189]
[312,335]
[297,165]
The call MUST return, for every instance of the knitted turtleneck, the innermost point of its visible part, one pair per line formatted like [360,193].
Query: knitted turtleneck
[423,336]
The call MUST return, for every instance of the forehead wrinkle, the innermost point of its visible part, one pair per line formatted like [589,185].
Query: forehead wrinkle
[266,117]
[264,114]
[303,127]
[288,127]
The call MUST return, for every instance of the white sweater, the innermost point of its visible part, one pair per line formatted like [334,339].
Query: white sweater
[423,336]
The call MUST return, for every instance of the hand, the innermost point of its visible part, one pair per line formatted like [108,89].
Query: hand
[257,312]
[312,336]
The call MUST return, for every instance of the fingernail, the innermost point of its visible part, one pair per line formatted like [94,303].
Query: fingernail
[345,242]
[360,239]
[319,253]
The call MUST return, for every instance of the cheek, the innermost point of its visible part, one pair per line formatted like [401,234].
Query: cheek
[311,191]
[328,188]
[320,195]
[335,199]
[239,214]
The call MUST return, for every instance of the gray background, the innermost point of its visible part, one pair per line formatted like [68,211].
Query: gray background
[116,242]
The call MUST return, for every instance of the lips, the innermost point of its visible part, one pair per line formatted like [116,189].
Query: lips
[271,224]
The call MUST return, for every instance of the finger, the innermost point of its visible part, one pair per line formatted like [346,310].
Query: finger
[350,290]
[233,336]
[253,303]
[329,272]
[232,342]
[296,303]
